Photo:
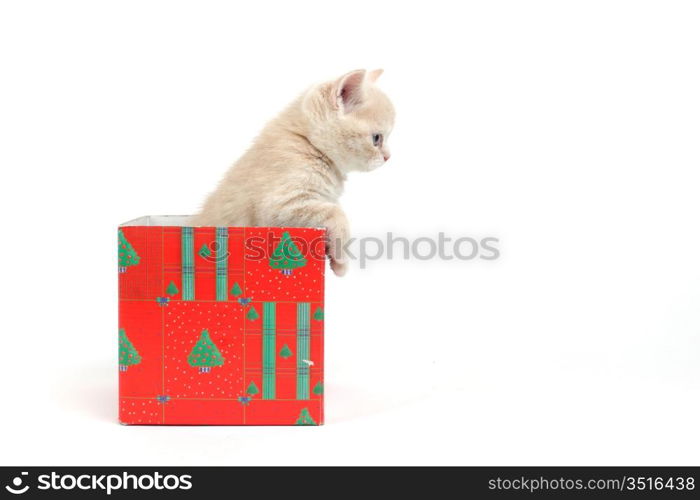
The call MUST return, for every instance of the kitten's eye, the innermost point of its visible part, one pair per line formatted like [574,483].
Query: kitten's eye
[377,139]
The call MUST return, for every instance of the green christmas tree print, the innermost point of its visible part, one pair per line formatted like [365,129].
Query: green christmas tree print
[204,252]
[252,389]
[287,256]
[172,289]
[285,352]
[236,290]
[252,314]
[318,314]
[305,418]
[127,254]
[205,354]
[128,355]
[318,388]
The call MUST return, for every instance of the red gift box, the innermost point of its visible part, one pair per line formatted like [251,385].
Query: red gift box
[220,325]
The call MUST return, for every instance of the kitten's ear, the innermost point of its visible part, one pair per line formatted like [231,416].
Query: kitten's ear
[374,74]
[348,91]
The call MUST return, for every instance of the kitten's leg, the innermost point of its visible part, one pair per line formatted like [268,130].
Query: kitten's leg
[338,235]
[313,213]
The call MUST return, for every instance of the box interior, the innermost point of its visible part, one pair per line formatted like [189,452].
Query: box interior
[159,220]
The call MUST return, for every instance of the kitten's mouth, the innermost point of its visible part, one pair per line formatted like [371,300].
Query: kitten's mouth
[375,165]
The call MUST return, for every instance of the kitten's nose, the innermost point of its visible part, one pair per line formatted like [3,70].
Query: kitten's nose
[387,156]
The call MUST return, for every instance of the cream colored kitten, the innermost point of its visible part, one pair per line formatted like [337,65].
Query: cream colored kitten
[294,172]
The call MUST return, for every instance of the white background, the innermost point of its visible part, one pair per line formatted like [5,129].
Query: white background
[569,130]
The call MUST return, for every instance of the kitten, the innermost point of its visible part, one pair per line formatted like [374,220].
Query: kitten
[294,172]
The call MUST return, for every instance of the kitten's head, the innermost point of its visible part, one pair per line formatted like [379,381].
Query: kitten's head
[350,120]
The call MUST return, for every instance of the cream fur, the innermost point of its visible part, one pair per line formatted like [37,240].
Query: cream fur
[294,172]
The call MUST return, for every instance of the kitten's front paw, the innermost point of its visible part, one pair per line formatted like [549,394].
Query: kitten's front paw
[339,267]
